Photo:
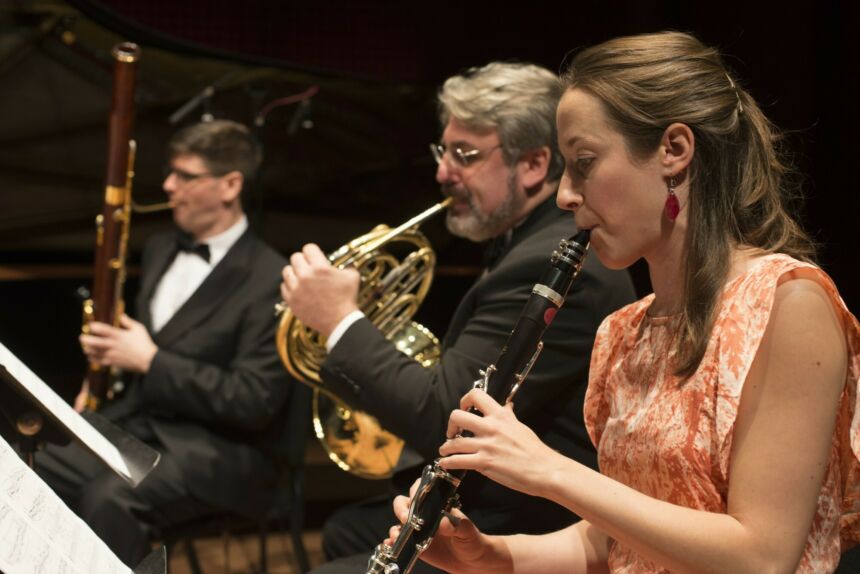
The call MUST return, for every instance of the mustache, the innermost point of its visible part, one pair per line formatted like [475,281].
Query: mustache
[461,193]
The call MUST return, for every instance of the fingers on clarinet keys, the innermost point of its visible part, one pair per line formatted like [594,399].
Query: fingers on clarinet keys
[455,520]
[393,533]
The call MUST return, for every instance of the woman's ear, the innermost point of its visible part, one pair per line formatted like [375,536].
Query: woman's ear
[676,148]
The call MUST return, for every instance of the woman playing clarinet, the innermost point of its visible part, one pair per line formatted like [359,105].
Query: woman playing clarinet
[722,405]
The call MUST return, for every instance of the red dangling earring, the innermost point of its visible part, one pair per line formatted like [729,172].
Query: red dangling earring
[672,207]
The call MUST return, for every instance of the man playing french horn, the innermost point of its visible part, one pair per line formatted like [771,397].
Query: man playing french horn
[498,159]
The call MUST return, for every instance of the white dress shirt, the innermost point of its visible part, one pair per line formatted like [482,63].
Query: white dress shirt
[187,272]
[341,328]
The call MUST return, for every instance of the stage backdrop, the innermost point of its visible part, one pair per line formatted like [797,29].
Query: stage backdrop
[357,155]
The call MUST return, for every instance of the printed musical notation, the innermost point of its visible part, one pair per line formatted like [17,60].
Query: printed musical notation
[39,534]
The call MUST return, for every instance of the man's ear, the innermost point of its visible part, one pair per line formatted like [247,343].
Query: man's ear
[676,148]
[533,166]
[231,186]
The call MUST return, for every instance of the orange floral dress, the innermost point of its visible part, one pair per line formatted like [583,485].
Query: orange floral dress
[673,441]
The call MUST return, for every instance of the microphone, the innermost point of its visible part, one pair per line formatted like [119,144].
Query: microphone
[201,97]
[189,106]
[301,117]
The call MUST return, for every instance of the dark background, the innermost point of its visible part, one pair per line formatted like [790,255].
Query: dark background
[365,160]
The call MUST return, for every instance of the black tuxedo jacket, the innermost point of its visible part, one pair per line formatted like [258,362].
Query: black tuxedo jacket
[414,402]
[216,387]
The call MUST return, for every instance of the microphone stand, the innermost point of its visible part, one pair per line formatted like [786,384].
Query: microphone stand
[204,98]
[300,117]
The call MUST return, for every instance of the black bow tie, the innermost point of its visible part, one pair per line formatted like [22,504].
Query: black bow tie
[186,243]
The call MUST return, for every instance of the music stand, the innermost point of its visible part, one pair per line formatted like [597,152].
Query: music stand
[22,423]
[41,534]
[33,414]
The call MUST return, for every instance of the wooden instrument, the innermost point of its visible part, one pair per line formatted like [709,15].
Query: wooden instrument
[106,303]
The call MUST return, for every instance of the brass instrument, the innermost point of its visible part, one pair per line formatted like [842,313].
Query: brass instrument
[392,289]
[106,302]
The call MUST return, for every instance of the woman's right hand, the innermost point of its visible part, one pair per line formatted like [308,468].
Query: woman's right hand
[500,447]
[458,545]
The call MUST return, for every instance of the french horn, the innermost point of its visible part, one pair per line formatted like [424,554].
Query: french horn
[396,268]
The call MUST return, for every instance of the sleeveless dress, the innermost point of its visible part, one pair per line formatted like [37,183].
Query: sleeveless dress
[673,441]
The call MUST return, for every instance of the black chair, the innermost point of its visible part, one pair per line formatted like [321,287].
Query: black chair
[286,511]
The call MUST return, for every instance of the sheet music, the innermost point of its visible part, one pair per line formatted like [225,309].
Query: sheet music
[38,532]
[67,416]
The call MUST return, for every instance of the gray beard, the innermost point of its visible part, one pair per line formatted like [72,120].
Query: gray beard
[478,226]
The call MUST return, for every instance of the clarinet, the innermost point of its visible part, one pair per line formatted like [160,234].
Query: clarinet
[437,490]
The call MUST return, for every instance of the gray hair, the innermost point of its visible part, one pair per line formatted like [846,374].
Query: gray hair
[518,100]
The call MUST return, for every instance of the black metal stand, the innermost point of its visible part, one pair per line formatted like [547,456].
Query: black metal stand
[22,422]
[27,420]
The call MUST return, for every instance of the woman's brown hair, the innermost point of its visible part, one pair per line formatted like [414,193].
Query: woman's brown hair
[740,184]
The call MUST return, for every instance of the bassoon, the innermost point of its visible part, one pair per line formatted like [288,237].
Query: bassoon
[106,303]
[437,494]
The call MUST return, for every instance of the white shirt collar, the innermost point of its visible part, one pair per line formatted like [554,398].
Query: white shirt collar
[220,244]
[187,273]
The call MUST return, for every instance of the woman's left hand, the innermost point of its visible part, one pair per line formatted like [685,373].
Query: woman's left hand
[502,448]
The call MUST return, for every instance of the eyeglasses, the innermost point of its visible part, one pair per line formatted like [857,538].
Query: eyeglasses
[184,176]
[461,157]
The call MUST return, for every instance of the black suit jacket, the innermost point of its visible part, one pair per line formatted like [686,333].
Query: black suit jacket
[212,396]
[415,403]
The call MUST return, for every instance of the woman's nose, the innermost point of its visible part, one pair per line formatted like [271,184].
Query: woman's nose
[568,197]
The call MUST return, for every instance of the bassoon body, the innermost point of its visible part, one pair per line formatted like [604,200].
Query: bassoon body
[437,490]
[106,303]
